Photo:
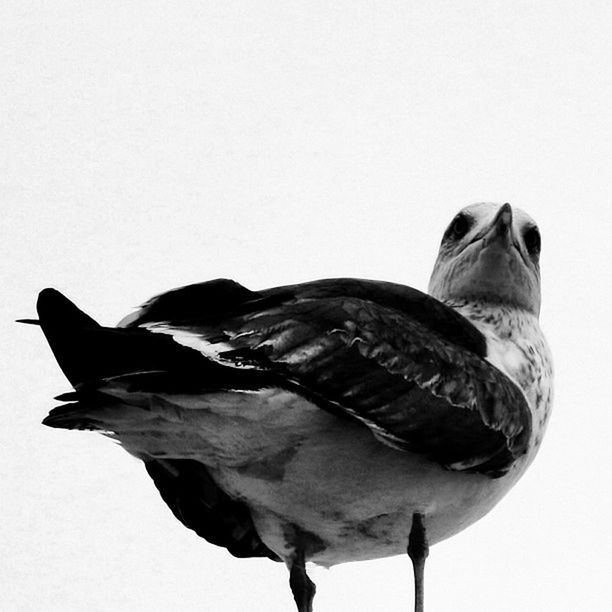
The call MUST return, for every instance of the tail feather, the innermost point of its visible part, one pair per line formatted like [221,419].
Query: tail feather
[70,396]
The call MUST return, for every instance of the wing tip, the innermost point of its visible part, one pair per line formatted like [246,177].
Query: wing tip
[46,297]
[48,300]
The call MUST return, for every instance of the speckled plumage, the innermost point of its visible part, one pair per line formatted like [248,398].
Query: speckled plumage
[517,346]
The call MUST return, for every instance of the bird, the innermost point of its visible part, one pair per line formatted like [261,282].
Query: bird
[329,421]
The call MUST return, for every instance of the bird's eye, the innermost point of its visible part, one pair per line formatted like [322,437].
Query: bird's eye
[532,240]
[459,227]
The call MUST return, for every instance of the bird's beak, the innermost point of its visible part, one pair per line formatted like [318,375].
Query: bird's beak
[500,230]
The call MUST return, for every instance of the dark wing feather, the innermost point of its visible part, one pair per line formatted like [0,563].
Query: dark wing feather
[410,368]
[223,298]
[197,501]
[414,303]
[410,385]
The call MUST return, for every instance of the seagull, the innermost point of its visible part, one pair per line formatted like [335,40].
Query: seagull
[329,421]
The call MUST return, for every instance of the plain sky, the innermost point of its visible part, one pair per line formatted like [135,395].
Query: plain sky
[147,145]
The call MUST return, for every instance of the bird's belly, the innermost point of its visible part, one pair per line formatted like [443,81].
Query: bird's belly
[354,496]
[302,470]
[359,505]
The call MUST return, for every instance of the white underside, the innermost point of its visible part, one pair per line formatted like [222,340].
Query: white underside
[295,465]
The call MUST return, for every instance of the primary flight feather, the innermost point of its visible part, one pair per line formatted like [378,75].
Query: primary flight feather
[330,421]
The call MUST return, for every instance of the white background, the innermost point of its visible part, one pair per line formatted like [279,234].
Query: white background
[146,145]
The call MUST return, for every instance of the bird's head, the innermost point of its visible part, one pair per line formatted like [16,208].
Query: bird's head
[489,253]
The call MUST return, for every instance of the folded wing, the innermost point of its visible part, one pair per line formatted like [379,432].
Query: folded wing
[405,365]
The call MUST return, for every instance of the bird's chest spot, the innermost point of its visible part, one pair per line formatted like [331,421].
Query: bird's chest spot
[514,359]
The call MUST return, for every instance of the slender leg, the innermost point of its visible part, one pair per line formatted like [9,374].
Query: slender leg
[418,551]
[302,587]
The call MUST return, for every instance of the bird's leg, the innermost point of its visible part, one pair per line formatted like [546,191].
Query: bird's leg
[418,551]
[302,587]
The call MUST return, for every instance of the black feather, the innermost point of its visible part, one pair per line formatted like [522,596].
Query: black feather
[88,352]
[196,501]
